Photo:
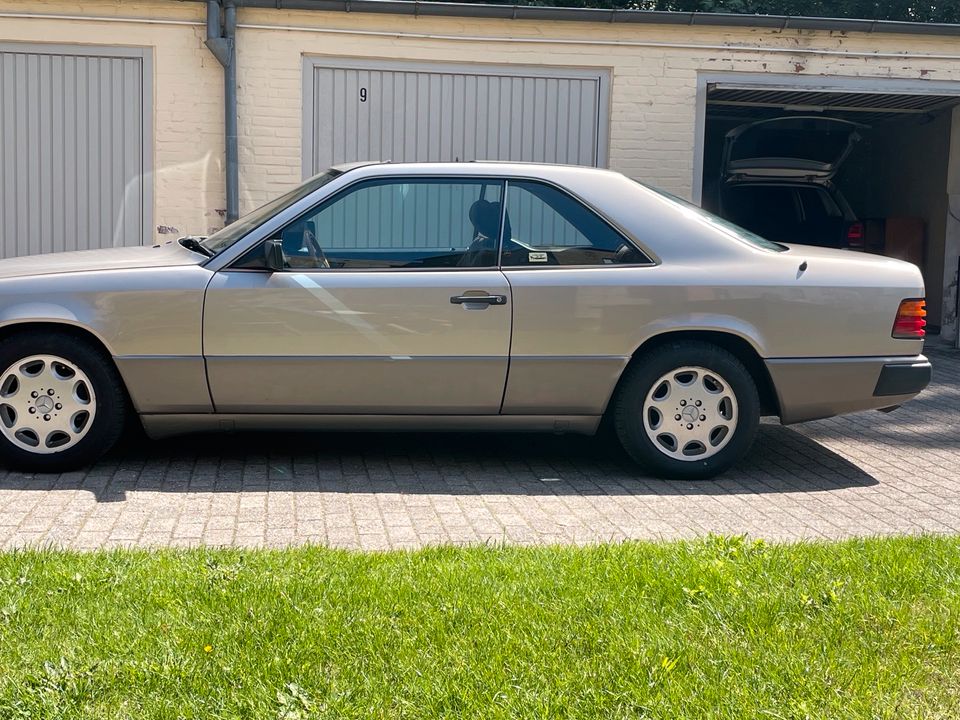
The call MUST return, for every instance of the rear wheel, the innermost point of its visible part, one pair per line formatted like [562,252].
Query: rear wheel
[62,403]
[690,410]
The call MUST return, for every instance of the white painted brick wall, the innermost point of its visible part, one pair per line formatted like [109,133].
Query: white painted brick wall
[188,95]
[653,89]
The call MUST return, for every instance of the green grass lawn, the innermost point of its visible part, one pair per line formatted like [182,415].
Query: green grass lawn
[719,628]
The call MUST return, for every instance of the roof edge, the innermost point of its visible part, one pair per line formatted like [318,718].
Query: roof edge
[429,8]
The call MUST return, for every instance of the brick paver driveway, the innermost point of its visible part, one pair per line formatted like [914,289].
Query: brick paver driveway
[864,474]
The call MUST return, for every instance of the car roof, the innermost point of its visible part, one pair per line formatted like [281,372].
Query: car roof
[347,167]
[473,167]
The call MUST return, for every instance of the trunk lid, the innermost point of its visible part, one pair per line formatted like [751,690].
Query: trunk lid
[789,148]
[870,270]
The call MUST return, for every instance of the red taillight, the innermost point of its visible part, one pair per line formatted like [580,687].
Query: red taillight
[855,237]
[910,322]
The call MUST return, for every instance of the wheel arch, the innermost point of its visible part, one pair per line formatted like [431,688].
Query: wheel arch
[64,326]
[736,345]
[114,407]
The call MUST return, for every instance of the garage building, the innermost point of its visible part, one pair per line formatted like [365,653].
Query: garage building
[112,114]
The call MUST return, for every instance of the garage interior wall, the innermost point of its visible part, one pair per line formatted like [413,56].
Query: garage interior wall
[653,80]
[951,253]
[901,171]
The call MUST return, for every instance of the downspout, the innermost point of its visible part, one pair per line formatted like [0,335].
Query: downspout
[221,41]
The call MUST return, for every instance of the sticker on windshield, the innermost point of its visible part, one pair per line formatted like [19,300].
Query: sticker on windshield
[537,257]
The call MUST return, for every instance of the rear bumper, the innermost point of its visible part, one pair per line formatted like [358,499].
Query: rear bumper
[813,388]
[903,378]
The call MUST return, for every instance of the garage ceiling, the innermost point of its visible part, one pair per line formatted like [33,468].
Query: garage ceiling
[743,101]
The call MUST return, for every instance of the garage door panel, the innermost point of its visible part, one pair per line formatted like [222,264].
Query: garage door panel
[415,113]
[72,157]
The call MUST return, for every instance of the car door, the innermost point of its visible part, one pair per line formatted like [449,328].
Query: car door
[578,296]
[389,302]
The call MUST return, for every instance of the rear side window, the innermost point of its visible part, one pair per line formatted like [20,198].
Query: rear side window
[729,228]
[544,226]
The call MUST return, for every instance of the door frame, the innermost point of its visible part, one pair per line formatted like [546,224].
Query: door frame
[311,62]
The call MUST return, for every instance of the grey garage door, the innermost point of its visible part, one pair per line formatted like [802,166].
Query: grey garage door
[378,110]
[72,150]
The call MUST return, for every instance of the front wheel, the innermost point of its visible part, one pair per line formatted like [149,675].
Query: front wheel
[688,411]
[62,403]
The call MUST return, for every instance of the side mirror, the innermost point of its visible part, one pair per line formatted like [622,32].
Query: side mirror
[273,255]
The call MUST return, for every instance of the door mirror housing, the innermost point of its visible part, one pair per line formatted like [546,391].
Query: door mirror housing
[273,255]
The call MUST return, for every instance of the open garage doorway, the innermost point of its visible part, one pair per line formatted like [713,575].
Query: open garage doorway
[862,164]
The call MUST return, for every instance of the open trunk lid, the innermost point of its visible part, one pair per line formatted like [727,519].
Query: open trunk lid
[794,147]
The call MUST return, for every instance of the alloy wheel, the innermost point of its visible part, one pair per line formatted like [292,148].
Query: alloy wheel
[47,404]
[690,413]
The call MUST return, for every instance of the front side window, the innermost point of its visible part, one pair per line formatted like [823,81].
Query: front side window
[398,223]
[545,226]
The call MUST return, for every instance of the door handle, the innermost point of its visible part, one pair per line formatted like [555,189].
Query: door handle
[479,299]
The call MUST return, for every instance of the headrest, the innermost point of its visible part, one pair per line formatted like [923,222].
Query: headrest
[292,237]
[485,216]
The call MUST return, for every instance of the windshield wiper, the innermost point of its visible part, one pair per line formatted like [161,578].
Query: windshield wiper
[192,243]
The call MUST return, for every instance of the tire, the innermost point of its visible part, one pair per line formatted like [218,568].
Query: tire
[711,393]
[48,380]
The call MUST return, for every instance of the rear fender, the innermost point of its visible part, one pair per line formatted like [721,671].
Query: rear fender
[707,323]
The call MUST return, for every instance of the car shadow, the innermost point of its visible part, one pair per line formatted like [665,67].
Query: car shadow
[781,461]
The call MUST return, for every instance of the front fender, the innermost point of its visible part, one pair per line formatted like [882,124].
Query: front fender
[37,312]
[41,313]
[148,319]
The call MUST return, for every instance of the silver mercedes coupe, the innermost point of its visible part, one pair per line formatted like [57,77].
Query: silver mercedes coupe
[460,296]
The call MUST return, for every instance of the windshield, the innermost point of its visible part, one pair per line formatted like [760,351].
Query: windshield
[725,226]
[222,239]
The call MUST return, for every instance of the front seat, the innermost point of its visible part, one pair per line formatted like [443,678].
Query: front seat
[485,218]
[300,247]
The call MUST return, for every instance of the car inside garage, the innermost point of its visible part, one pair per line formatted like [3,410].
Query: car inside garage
[860,168]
